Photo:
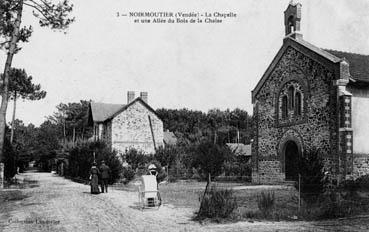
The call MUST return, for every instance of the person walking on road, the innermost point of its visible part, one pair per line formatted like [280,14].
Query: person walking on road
[94,179]
[105,175]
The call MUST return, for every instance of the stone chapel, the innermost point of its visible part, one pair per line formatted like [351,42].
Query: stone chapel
[310,98]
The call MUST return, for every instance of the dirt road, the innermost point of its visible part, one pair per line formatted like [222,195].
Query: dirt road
[52,203]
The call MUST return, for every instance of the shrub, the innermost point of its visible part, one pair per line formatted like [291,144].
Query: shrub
[128,174]
[81,159]
[166,155]
[266,201]
[209,158]
[334,206]
[179,171]
[344,200]
[312,176]
[237,169]
[10,168]
[349,186]
[363,182]
[217,203]
[136,158]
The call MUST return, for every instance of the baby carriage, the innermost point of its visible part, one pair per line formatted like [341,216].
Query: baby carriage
[148,194]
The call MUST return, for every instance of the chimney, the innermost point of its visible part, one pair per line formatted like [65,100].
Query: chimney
[144,96]
[130,96]
[292,18]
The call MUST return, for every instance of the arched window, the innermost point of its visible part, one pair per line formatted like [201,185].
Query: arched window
[291,97]
[284,107]
[298,104]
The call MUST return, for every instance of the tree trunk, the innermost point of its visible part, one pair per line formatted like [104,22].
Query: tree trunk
[206,190]
[74,134]
[13,118]
[64,134]
[5,85]
[83,133]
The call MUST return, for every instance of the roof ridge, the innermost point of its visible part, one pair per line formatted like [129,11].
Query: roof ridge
[104,102]
[353,53]
[108,103]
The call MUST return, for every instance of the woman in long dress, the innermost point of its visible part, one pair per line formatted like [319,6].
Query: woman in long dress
[94,179]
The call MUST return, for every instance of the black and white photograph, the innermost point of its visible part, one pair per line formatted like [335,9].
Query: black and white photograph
[184,115]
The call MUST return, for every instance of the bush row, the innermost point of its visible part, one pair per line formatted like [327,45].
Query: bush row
[81,157]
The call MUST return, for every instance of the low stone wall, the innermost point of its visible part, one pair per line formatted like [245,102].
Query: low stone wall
[360,165]
[269,172]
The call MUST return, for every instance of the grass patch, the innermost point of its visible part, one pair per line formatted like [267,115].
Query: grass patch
[7,200]
[13,195]
[217,204]
[266,202]
[21,184]
[186,193]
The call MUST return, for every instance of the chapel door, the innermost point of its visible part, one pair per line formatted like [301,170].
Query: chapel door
[291,161]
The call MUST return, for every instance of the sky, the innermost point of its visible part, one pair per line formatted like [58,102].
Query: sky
[195,66]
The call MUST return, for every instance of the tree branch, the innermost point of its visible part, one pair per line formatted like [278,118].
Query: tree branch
[37,4]
[46,4]
[5,42]
[39,10]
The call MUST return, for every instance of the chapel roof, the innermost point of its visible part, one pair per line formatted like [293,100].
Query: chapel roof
[325,53]
[359,64]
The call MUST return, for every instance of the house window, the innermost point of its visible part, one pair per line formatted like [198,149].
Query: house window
[96,131]
[291,93]
[298,104]
[284,107]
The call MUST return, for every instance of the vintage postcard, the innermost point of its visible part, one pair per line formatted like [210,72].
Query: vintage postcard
[184,115]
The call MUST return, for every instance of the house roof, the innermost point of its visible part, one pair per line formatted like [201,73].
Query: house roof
[359,64]
[240,149]
[169,138]
[102,111]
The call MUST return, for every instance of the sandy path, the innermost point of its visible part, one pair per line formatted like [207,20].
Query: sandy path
[57,204]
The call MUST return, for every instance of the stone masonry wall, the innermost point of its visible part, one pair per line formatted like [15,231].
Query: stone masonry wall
[315,128]
[360,165]
[131,129]
[106,134]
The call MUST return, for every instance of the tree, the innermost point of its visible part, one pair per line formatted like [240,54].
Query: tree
[12,34]
[20,85]
[221,126]
[46,144]
[25,144]
[72,118]
[209,158]
[166,155]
